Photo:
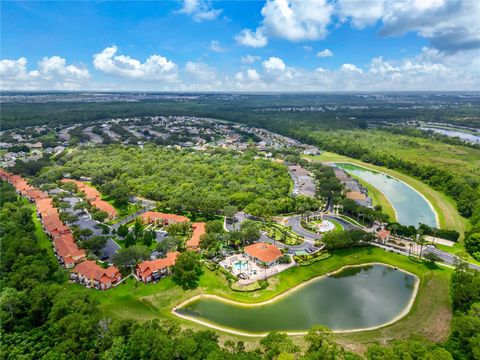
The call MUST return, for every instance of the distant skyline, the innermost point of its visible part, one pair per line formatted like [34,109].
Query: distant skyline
[274,45]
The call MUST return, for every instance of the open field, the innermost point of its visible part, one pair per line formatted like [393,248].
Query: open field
[444,206]
[430,314]
[456,159]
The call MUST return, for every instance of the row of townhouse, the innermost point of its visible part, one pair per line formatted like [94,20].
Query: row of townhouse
[66,250]
[163,219]
[94,197]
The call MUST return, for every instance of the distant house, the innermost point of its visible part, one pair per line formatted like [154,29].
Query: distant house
[161,218]
[198,230]
[94,276]
[383,236]
[263,253]
[155,269]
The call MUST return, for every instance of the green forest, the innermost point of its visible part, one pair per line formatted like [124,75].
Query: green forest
[44,317]
[183,181]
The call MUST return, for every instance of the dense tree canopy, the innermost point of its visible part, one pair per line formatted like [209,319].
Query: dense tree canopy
[180,180]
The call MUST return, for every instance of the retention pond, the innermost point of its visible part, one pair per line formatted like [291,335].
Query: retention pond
[355,298]
[410,206]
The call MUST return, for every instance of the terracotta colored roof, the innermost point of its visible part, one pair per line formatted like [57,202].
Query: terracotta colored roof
[104,206]
[198,230]
[36,194]
[45,207]
[356,195]
[151,216]
[94,197]
[92,271]
[383,234]
[263,252]
[146,268]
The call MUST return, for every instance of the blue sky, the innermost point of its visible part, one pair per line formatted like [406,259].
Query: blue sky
[241,45]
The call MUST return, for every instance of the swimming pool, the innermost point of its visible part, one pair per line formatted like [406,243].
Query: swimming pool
[240,265]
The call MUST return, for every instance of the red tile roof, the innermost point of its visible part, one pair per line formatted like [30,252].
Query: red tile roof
[152,216]
[383,234]
[198,230]
[263,251]
[94,197]
[90,270]
[146,268]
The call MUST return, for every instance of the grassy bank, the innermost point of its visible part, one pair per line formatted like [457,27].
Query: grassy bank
[444,206]
[378,198]
[143,302]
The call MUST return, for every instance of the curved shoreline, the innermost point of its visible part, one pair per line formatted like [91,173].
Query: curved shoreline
[402,314]
[437,219]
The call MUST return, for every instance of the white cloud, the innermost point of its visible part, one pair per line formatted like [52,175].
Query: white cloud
[368,13]
[450,25]
[200,71]
[325,53]
[307,48]
[249,59]
[51,73]
[255,39]
[200,10]
[216,47]
[274,64]
[297,20]
[156,67]
[350,68]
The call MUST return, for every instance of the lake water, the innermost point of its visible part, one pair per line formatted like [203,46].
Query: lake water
[355,298]
[467,136]
[411,207]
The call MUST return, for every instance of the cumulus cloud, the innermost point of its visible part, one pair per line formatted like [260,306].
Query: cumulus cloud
[274,64]
[297,20]
[450,25]
[249,59]
[156,67]
[325,53]
[200,71]
[216,47]
[293,20]
[350,68]
[429,70]
[200,10]
[51,73]
[255,39]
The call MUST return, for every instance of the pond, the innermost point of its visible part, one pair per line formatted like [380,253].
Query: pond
[411,207]
[354,298]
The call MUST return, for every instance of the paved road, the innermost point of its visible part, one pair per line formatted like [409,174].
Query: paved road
[295,223]
[147,206]
[446,257]
[86,222]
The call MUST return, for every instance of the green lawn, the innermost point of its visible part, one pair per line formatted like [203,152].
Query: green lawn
[444,206]
[429,316]
[282,233]
[338,226]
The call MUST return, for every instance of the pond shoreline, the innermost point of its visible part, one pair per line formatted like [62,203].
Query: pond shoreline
[402,314]
[437,219]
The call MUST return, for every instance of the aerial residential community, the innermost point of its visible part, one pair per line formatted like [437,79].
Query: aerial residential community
[240,180]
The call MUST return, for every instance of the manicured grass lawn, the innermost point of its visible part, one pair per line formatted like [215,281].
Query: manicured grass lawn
[378,198]
[282,233]
[443,205]
[429,316]
[338,226]
[349,219]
